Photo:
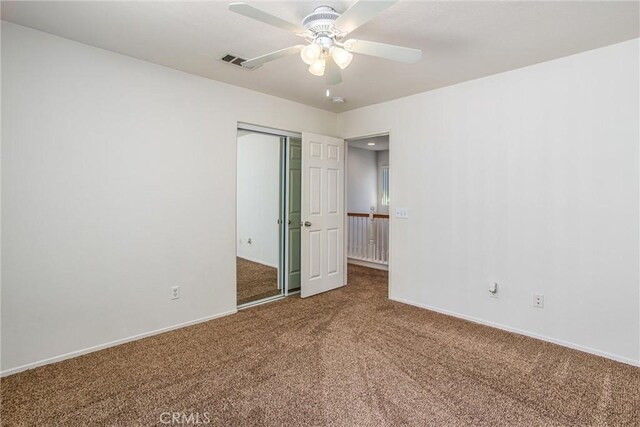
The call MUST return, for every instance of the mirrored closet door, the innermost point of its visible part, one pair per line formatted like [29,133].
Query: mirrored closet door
[268,229]
[259,211]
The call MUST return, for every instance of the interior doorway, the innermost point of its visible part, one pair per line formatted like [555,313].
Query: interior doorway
[368,202]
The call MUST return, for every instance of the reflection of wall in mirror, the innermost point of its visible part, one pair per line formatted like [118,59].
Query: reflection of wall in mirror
[258,197]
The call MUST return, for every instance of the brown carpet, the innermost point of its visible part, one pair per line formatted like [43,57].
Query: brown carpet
[255,281]
[348,357]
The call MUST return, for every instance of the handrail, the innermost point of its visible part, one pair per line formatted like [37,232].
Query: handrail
[365,215]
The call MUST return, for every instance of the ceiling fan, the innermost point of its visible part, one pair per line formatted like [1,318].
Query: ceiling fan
[324,30]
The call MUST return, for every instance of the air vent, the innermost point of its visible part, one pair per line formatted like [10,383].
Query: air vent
[235,60]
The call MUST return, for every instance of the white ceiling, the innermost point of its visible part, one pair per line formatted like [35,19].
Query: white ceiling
[381,143]
[461,40]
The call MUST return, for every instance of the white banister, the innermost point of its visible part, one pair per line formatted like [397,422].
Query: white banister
[368,237]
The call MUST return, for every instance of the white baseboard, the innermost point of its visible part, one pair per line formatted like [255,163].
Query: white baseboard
[257,261]
[98,347]
[522,332]
[369,264]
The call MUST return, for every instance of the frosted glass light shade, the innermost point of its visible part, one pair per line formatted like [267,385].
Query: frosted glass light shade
[341,57]
[311,53]
[317,68]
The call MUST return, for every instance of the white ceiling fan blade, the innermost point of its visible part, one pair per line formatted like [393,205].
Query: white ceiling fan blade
[382,50]
[253,13]
[259,60]
[332,74]
[360,13]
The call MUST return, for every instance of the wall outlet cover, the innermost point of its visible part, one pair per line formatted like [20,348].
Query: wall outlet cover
[538,301]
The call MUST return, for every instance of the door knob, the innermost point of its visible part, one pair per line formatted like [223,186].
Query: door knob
[307,224]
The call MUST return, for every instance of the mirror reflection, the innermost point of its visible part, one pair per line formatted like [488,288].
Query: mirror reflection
[258,213]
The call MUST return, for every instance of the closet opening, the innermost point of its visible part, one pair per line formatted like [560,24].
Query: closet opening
[268,214]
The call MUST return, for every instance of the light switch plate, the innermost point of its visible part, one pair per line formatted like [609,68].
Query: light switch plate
[402,213]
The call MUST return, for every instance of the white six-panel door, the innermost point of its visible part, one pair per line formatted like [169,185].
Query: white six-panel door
[322,214]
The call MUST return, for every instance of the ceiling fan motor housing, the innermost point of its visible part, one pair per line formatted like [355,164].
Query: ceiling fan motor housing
[320,21]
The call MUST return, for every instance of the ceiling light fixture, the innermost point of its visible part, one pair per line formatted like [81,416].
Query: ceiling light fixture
[327,50]
[311,53]
[341,57]
[320,50]
[317,67]
[371,143]
[324,44]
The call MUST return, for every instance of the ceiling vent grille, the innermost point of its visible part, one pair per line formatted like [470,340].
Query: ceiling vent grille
[234,60]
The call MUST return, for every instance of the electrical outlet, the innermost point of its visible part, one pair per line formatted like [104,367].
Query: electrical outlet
[175,292]
[402,213]
[538,301]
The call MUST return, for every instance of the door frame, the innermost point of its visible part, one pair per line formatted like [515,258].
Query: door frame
[348,139]
[283,278]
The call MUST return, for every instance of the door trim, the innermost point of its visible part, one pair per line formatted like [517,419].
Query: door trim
[268,130]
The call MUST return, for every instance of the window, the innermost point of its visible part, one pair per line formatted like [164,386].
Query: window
[385,185]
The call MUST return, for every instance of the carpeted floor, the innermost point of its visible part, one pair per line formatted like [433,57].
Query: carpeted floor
[255,281]
[349,357]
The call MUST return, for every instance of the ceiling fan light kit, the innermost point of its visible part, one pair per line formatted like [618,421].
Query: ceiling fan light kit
[311,53]
[317,67]
[324,29]
[341,57]
[314,55]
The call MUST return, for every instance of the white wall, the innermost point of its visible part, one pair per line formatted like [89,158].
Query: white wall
[529,178]
[117,183]
[258,198]
[361,180]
